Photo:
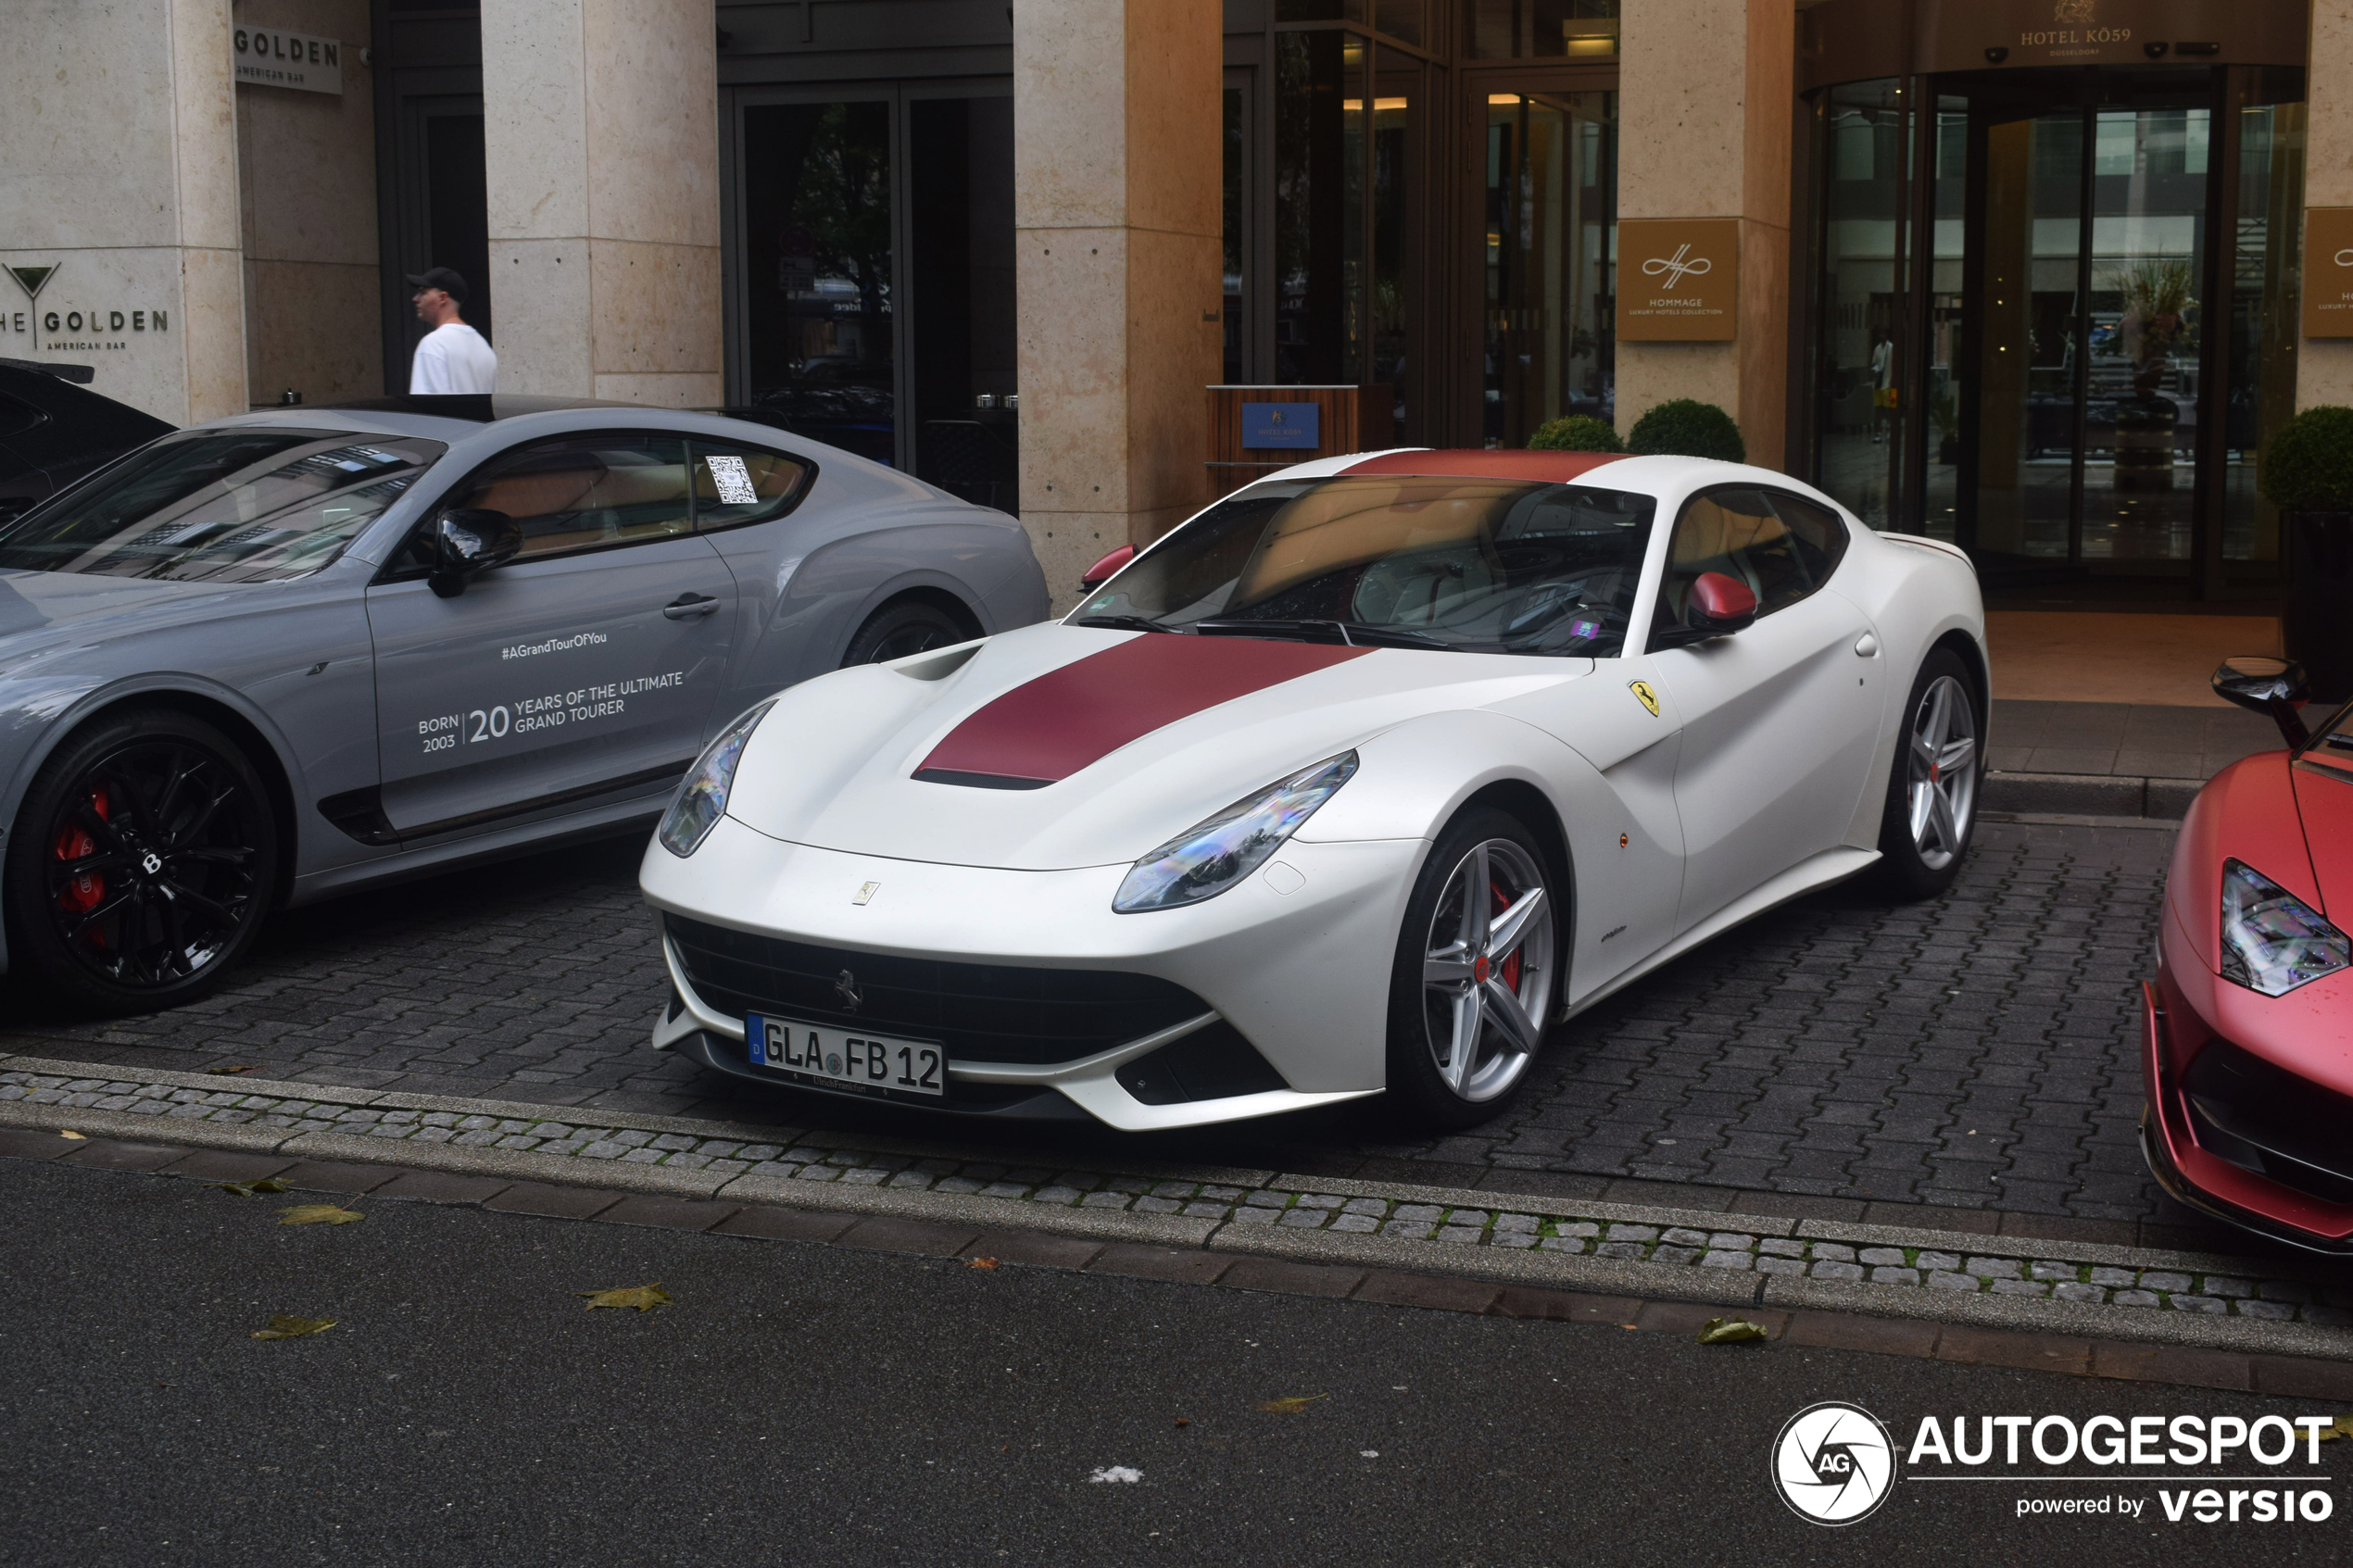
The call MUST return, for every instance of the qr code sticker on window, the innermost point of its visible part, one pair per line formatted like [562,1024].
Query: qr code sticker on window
[733,479]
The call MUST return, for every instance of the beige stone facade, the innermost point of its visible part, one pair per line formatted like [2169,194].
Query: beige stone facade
[1008,247]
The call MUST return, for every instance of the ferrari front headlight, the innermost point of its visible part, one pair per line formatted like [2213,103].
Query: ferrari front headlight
[2273,941]
[1211,857]
[703,793]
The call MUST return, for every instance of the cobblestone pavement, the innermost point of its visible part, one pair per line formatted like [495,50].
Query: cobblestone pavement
[814,1172]
[1974,1053]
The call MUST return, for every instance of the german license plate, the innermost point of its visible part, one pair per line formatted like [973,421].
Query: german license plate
[837,1056]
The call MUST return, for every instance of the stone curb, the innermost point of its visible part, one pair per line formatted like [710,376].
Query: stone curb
[2059,1251]
[1735,1287]
[1598,1276]
[1577,1208]
[2034,1314]
[2102,795]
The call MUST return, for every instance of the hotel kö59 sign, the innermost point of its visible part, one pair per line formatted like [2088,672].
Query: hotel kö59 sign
[1678,280]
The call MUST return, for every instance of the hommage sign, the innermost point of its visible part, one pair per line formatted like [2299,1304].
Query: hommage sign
[1678,280]
[2328,271]
[269,59]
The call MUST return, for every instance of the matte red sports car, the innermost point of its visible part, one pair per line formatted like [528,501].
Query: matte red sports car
[2248,1029]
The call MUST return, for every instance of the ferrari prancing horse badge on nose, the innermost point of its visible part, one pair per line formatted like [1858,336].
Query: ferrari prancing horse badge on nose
[1644,694]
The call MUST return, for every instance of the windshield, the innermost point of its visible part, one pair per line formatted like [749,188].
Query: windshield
[1488,564]
[221,506]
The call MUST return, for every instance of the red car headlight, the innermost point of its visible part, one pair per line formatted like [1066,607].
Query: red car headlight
[2273,941]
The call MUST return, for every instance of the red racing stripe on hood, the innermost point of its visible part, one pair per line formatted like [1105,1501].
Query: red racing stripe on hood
[1050,728]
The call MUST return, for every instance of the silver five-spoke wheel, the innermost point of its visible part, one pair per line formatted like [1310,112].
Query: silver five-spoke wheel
[1487,970]
[1940,772]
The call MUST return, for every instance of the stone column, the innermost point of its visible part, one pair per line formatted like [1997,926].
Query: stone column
[2324,368]
[118,200]
[308,170]
[1117,213]
[601,129]
[1706,90]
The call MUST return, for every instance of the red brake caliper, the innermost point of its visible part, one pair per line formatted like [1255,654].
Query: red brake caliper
[82,894]
[1511,965]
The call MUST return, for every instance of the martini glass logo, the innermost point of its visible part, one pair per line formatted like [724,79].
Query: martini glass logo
[1676,267]
[1833,1463]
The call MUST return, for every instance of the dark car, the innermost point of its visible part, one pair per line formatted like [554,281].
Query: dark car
[52,431]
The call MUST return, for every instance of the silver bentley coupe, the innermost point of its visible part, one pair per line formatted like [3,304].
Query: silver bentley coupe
[292,653]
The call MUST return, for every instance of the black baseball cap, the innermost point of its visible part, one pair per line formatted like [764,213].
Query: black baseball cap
[449,281]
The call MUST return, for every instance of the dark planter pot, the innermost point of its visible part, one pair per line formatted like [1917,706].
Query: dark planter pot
[2317,621]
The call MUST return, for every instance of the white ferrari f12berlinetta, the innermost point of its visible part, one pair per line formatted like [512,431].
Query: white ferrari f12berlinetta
[1354,782]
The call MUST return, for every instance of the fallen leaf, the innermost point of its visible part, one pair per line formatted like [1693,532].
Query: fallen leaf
[1291,1404]
[1116,1473]
[980,1262]
[68,1133]
[1728,1331]
[285,1327]
[645,1298]
[248,1189]
[1184,1421]
[2343,1429]
[320,1214]
[241,1067]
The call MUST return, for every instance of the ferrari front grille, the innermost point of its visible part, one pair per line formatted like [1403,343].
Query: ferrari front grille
[981,1012]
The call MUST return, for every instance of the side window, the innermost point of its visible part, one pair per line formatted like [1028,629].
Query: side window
[574,493]
[1781,547]
[1817,532]
[735,485]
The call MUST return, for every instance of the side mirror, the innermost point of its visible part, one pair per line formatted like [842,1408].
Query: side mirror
[468,542]
[1106,569]
[2274,687]
[1721,605]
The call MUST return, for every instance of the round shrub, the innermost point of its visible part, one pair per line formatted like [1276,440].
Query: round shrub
[1684,427]
[2310,465]
[1575,432]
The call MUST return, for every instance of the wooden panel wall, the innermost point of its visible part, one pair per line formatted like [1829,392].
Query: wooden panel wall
[1354,419]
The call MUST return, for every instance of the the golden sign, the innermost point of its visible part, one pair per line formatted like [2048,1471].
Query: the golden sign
[1644,694]
[2328,271]
[1679,278]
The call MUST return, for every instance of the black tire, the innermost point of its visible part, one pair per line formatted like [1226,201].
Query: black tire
[896,630]
[1478,1085]
[141,864]
[1930,816]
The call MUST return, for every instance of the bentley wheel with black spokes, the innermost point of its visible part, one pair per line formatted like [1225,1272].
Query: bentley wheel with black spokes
[1476,971]
[142,862]
[902,630]
[1932,789]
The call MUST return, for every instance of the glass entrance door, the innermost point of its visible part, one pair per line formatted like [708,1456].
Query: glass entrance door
[2056,320]
[1550,254]
[2089,293]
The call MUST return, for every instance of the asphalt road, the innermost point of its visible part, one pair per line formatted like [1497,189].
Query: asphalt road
[799,1404]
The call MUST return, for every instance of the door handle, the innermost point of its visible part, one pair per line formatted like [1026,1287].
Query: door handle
[1866,646]
[687,606]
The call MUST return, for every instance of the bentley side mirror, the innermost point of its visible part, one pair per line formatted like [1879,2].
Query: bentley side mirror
[1106,569]
[468,542]
[2276,687]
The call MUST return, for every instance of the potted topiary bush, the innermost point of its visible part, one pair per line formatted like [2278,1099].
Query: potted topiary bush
[2307,473]
[1685,427]
[1575,432]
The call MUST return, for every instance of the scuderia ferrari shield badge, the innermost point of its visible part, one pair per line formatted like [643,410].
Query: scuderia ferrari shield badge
[1644,694]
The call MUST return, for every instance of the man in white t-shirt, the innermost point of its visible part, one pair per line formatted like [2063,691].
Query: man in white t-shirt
[453,357]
